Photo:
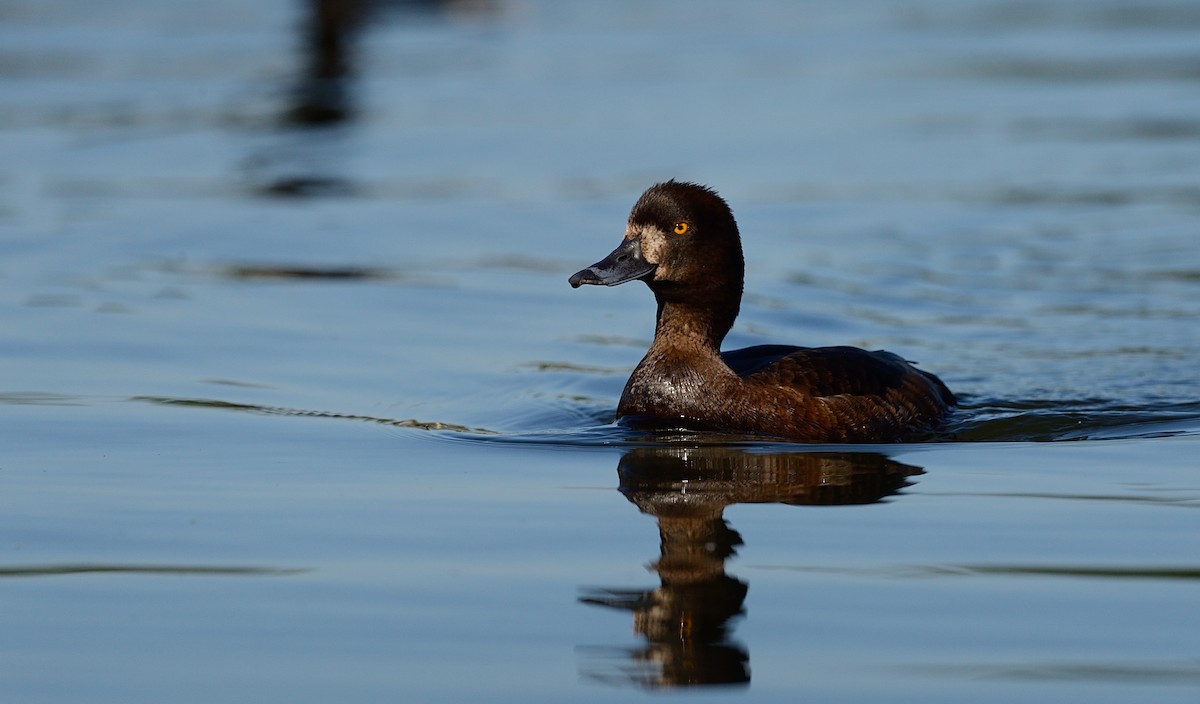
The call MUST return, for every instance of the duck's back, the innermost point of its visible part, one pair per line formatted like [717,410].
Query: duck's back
[829,371]
[864,395]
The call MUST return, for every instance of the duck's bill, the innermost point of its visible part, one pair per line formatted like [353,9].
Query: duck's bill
[624,264]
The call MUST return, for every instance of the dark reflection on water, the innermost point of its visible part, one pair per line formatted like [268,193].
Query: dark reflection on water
[686,620]
[330,34]
[181,570]
[1062,70]
[250,272]
[322,100]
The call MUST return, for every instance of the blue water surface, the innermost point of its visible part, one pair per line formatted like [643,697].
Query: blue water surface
[296,403]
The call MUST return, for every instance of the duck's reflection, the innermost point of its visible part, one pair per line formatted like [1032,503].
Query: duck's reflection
[686,620]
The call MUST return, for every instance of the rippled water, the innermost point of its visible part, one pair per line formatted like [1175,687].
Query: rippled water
[297,404]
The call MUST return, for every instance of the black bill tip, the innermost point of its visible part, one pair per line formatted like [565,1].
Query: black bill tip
[587,276]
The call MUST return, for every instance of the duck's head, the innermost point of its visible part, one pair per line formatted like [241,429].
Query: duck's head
[682,240]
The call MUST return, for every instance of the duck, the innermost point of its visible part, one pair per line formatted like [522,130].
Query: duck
[682,241]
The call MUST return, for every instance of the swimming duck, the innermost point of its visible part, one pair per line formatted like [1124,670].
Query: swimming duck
[682,241]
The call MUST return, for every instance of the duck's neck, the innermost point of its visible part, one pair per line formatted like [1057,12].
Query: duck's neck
[681,324]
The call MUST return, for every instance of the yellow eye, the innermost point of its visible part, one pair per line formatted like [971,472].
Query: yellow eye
[681,228]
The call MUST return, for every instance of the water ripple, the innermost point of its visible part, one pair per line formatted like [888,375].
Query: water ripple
[1035,420]
[58,570]
[1185,572]
[295,412]
[557,420]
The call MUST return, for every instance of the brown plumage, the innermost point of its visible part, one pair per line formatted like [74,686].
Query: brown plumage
[682,240]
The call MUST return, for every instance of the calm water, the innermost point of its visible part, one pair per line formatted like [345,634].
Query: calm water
[296,403]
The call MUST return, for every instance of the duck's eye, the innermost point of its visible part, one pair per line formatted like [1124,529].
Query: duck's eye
[681,228]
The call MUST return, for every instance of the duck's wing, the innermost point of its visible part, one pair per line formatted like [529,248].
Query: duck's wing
[833,371]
